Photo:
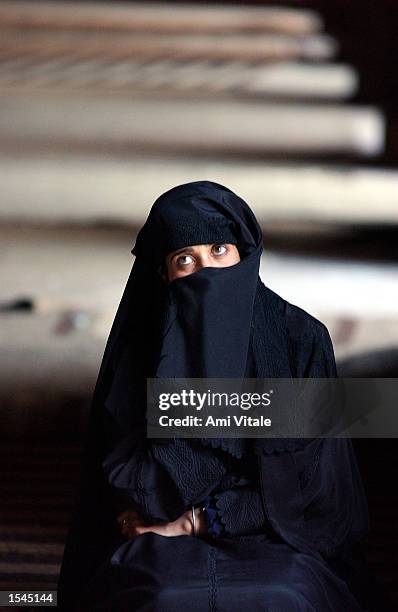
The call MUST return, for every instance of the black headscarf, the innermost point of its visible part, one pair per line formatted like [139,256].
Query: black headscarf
[211,323]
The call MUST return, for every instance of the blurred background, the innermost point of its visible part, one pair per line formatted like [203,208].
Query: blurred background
[104,106]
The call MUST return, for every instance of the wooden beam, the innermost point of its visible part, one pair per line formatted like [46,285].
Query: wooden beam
[211,126]
[78,190]
[157,17]
[281,80]
[254,47]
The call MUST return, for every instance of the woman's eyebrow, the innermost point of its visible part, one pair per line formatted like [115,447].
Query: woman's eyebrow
[184,250]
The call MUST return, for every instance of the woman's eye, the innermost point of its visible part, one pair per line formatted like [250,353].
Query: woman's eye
[220,249]
[184,260]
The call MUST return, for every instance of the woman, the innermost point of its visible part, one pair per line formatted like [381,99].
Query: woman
[210,524]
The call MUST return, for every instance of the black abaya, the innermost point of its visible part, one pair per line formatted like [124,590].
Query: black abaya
[314,507]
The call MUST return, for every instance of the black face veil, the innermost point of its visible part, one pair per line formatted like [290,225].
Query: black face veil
[208,314]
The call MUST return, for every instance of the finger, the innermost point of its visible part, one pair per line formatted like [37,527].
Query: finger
[132,525]
[121,516]
[127,514]
[131,521]
[136,531]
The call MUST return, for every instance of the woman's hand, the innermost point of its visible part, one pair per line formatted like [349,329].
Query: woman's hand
[132,525]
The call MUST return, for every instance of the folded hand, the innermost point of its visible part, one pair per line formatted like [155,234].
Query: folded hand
[131,524]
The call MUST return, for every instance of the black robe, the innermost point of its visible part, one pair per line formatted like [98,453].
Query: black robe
[313,497]
[311,490]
